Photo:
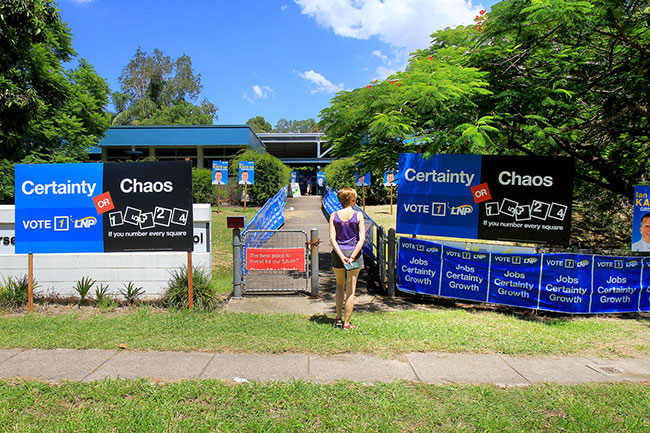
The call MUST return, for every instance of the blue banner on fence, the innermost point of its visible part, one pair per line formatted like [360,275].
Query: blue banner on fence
[568,283]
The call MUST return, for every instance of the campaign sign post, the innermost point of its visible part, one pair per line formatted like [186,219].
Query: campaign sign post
[390,181]
[246,177]
[363,182]
[293,177]
[514,198]
[219,177]
[320,181]
[641,219]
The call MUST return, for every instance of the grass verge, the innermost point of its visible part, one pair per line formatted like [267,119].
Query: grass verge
[381,334]
[202,406]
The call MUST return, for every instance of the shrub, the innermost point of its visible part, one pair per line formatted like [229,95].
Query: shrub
[204,295]
[203,191]
[101,293]
[131,292]
[270,175]
[14,291]
[83,287]
[340,174]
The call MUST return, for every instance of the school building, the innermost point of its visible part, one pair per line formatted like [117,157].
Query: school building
[203,144]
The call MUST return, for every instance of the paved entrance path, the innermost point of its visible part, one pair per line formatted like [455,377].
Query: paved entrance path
[432,368]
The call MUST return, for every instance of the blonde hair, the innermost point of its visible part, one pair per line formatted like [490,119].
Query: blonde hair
[347,196]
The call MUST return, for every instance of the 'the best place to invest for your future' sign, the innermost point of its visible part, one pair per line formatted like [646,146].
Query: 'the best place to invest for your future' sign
[96,207]
[517,198]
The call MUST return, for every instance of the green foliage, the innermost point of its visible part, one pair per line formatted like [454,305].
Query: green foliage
[203,293]
[44,107]
[157,90]
[203,191]
[259,124]
[130,292]
[14,291]
[101,292]
[6,181]
[83,287]
[284,125]
[341,173]
[270,175]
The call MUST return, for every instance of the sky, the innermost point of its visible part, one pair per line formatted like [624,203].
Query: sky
[271,58]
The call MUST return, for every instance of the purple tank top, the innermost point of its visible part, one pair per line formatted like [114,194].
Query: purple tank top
[347,232]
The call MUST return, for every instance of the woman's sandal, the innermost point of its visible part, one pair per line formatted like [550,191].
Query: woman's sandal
[338,323]
[349,326]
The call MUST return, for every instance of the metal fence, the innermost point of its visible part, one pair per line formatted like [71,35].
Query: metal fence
[275,244]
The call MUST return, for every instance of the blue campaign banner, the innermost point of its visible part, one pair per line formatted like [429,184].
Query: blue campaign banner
[641,219]
[465,275]
[219,172]
[418,265]
[616,283]
[55,211]
[514,279]
[565,284]
[293,177]
[452,211]
[644,299]
[246,172]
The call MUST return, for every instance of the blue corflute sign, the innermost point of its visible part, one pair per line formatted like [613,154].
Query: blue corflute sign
[567,283]
[641,219]
[219,172]
[486,197]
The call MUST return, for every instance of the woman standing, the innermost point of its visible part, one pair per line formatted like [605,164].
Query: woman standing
[347,236]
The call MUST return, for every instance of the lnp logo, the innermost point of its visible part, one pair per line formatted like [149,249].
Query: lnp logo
[85,223]
[583,263]
[464,209]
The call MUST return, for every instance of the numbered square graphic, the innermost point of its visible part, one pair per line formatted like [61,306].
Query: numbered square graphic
[132,216]
[179,216]
[516,260]
[116,218]
[146,221]
[569,263]
[509,207]
[162,216]
[522,213]
[539,210]
[438,209]
[61,223]
[492,208]
[557,211]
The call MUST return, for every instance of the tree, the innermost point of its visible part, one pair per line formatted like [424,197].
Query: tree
[157,90]
[45,108]
[284,125]
[259,124]
[538,77]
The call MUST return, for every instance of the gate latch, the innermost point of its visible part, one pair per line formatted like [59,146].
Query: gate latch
[313,243]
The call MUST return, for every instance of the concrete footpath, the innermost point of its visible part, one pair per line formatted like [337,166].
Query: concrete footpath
[432,368]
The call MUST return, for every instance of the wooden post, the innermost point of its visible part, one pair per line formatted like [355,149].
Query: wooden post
[30,283]
[363,192]
[190,283]
[245,196]
[218,198]
[391,199]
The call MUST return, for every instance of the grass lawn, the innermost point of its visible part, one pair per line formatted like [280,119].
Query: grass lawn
[380,334]
[211,406]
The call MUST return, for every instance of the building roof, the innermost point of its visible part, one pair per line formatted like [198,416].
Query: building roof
[182,135]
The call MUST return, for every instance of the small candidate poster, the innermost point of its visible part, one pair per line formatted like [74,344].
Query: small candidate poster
[219,172]
[362,180]
[246,172]
[641,219]
[320,179]
[293,177]
[390,178]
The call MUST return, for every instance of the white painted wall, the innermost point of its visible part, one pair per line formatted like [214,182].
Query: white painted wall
[56,274]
